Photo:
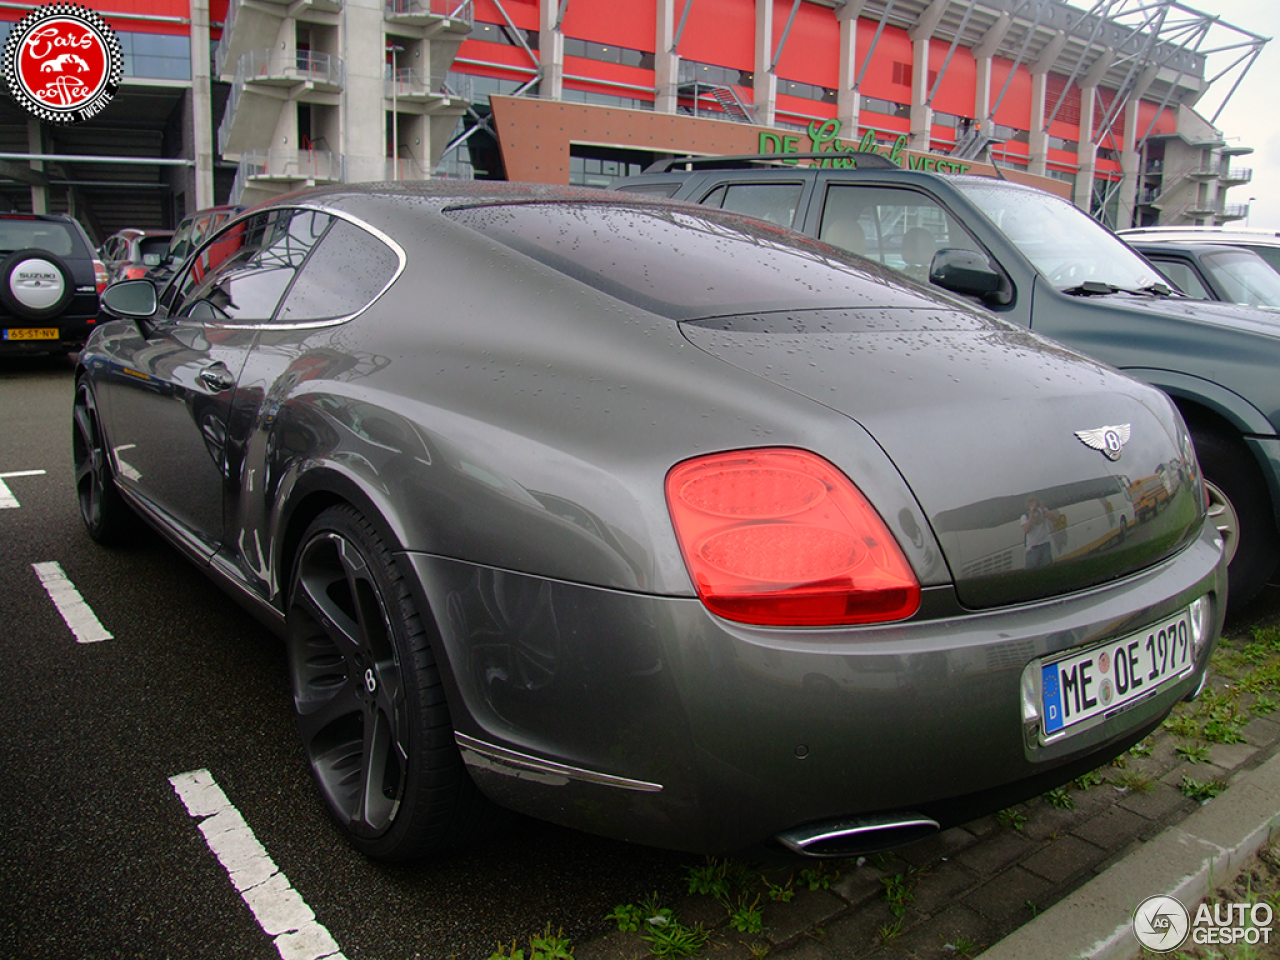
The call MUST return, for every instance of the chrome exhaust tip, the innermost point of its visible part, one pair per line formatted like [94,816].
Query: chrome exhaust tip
[856,836]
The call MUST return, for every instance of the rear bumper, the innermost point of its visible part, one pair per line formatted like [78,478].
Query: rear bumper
[647,719]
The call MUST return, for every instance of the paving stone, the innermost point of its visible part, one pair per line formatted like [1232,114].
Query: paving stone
[859,884]
[1157,803]
[1231,756]
[810,908]
[939,885]
[1004,899]
[1117,856]
[940,846]
[1064,858]
[983,826]
[614,945]
[936,939]
[1261,731]
[1047,821]
[858,933]
[996,852]
[1112,828]
[808,948]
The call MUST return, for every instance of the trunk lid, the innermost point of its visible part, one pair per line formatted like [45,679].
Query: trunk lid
[1003,437]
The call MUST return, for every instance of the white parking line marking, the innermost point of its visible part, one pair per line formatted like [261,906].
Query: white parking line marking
[279,909]
[7,500]
[80,618]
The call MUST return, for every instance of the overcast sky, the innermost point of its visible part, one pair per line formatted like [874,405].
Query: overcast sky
[1252,115]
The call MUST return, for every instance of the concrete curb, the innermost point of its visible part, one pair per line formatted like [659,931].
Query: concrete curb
[1206,850]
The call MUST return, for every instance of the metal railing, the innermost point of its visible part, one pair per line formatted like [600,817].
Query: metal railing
[1234,211]
[304,65]
[320,166]
[453,9]
[1238,174]
[408,82]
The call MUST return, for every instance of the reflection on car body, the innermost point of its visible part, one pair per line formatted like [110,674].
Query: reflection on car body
[653,521]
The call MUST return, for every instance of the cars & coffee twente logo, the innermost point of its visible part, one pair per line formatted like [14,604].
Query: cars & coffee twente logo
[62,63]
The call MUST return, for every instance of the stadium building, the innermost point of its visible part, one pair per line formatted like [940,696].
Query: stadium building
[240,100]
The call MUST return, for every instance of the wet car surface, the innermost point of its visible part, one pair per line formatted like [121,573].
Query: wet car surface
[655,522]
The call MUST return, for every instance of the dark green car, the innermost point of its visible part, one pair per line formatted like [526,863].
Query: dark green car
[1041,262]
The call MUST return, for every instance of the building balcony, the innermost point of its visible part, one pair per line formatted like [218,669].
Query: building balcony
[272,68]
[434,94]
[1237,175]
[1233,211]
[264,80]
[261,175]
[438,16]
[1204,173]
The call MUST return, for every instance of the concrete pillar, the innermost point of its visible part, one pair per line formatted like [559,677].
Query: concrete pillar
[201,104]
[766,85]
[1039,136]
[921,113]
[1087,157]
[35,144]
[551,52]
[364,118]
[848,100]
[984,53]
[1130,165]
[666,63]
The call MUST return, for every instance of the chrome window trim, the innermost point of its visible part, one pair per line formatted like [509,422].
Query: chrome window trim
[398,250]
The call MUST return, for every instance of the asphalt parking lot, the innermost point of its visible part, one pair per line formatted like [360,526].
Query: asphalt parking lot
[133,693]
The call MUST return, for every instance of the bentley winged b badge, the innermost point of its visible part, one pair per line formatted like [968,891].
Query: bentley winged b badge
[1109,440]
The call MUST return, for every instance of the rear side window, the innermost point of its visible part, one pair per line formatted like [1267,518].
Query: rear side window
[347,272]
[901,229]
[242,274]
[775,202]
[50,235]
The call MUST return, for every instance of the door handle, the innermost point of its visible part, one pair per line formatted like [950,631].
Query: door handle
[218,377]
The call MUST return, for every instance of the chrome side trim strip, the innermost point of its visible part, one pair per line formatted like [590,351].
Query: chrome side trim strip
[487,756]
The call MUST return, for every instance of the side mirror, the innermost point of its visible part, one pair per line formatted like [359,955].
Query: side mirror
[130,300]
[969,273]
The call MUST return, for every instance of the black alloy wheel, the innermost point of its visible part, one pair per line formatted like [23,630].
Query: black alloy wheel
[375,728]
[105,514]
[1241,509]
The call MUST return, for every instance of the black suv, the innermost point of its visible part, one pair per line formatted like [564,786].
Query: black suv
[49,284]
[1040,262]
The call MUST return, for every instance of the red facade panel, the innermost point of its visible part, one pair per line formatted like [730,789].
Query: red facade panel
[893,46]
[812,51]
[723,34]
[956,91]
[523,13]
[630,25]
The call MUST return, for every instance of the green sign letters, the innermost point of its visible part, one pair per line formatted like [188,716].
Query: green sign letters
[824,138]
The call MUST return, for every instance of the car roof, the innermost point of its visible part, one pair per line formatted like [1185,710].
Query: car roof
[1211,235]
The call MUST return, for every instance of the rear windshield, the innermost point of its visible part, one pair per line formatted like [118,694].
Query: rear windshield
[153,247]
[48,235]
[686,264]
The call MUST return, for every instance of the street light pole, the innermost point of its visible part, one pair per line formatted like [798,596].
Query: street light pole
[1247,209]
[395,113]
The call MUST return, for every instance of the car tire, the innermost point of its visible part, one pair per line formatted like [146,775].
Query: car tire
[106,516]
[35,297]
[1241,509]
[368,697]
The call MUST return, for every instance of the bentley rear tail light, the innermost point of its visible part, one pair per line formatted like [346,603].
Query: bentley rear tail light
[780,537]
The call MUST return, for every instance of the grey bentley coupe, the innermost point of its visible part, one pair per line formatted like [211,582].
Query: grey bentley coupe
[648,519]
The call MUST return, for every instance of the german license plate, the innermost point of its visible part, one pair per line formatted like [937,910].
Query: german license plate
[32,333]
[1109,675]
